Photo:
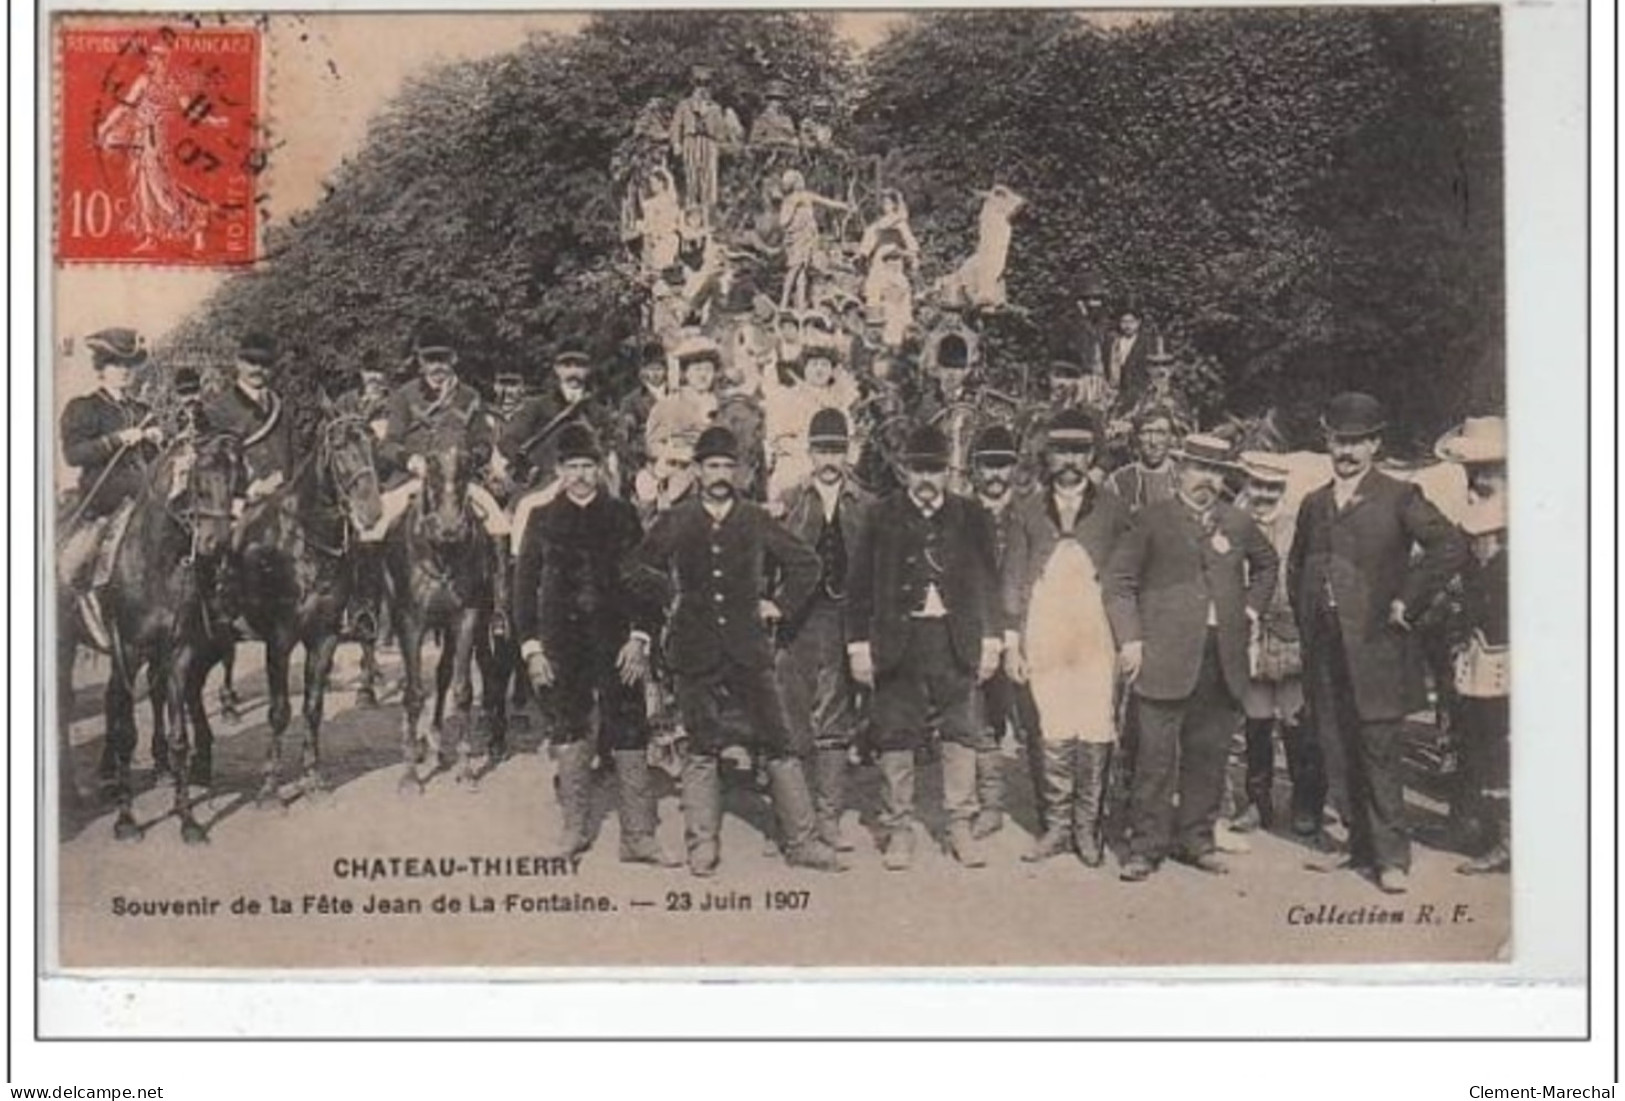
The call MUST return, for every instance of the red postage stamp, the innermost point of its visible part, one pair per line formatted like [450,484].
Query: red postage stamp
[158,144]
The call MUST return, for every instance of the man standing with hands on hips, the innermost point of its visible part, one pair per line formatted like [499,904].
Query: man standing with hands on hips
[1355,590]
[1183,588]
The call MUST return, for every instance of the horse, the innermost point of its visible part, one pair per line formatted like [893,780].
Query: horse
[439,564]
[292,550]
[153,605]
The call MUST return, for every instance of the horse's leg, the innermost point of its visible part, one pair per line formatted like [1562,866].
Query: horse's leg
[230,704]
[201,769]
[409,632]
[278,653]
[189,669]
[318,664]
[70,796]
[468,625]
[119,711]
[367,694]
[156,691]
[495,668]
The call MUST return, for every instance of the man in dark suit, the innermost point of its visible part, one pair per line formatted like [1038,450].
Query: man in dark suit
[716,554]
[252,410]
[1123,356]
[529,438]
[584,635]
[925,628]
[1182,590]
[825,511]
[1355,589]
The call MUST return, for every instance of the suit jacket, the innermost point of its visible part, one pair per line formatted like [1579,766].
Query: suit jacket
[418,423]
[880,600]
[266,433]
[569,592]
[1162,576]
[804,517]
[1361,556]
[89,424]
[1035,531]
[718,574]
[1135,376]
[530,441]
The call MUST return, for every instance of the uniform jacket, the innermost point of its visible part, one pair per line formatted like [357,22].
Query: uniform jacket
[718,574]
[1162,575]
[569,592]
[266,433]
[1362,557]
[1035,531]
[421,424]
[531,439]
[880,599]
[89,424]
[804,515]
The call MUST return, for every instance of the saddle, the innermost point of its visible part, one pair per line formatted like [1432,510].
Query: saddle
[87,553]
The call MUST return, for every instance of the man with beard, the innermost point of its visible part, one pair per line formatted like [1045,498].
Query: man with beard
[1059,640]
[713,555]
[925,629]
[584,636]
[1150,477]
[1183,587]
[826,511]
[1005,703]
[1355,584]
[529,441]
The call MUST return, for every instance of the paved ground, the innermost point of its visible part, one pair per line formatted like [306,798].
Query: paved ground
[307,856]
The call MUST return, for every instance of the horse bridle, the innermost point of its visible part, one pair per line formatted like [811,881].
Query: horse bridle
[189,516]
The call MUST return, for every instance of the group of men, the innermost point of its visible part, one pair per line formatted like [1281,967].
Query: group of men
[1141,613]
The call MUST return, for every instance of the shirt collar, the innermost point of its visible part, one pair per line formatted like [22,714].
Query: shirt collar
[923,509]
[717,512]
[585,501]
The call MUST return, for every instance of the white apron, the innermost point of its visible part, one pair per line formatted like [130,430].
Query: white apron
[1070,657]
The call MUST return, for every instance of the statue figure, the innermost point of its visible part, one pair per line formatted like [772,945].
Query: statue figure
[774,126]
[891,251]
[798,216]
[979,281]
[699,128]
[658,222]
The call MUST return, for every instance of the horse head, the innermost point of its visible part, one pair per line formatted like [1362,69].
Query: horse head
[211,480]
[445,521]
[347,463]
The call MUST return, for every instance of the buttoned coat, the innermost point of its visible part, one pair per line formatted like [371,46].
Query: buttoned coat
[90,425]
[718,573]
[266,432]
[804,515]
[1163,574]
[1034,532]
[1362,555]
[881,600]
[420,423]
[530,440]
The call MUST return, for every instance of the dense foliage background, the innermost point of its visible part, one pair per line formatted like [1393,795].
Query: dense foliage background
[1301,200]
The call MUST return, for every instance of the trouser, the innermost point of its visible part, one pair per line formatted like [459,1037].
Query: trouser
[1362,758]
[817,690]
[703,697]
[1486,729]
[1183,747]
[1305,769]
[1006,704]
[585,678]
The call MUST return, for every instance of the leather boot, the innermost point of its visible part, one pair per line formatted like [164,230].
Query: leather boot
[702,813]
[573,786]
[798,824]
[989,818]
[1089,802]
[959,784]
[1260,773]
[897,807]
[829,795]
[1060,783]
[636,805]
[501,613]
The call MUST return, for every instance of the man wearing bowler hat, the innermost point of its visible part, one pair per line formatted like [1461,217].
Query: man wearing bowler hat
[529,439]
[252,410]
[1355,585]
[825,510]
[924,629]
[1183,588]
[711,558]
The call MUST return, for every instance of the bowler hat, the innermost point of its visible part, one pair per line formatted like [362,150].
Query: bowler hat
[927,448]
[577,441]
[716,442]
[1207,450]
[188,384]
[432,337]
[828,431]
[1072,429]
[122,346]
[1475,440]
[256,347]
[994,446]
[1354,414]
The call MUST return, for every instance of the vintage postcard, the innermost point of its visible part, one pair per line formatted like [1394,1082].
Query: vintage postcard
[727,489]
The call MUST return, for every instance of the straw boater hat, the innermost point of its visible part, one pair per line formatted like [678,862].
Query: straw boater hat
[1485,516]
[1475,440]
[1072,430]
[1265,468]
[1206,450]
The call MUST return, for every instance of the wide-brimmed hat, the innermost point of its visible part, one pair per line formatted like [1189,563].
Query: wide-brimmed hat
[1355,415]
[257,347]
[578,441]
[1265,468]
[716,442]
[927,449]
[1207,450]
[1475,440]
[1485,515]
[828,431]
[1073,429]
[124,347]
[994,445]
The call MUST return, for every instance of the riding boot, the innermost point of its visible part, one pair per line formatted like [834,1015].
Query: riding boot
[1060,784]
[989,818]
[1307,771]
[636,805]
[1089,801]
[702,813]
[897,807]
[959,783]
[829,794]
[798,824]
[501,607]
[573,786]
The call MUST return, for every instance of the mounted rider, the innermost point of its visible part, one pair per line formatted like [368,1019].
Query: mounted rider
[112,439]
[530,438]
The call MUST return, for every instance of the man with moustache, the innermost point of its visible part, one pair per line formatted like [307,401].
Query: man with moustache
[1183,588]
[1059,640]
[1355,584]
[924,630]
[826,510]
[584,636]
[529,441]
[1150,477]
[1005,703]
[711,558]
